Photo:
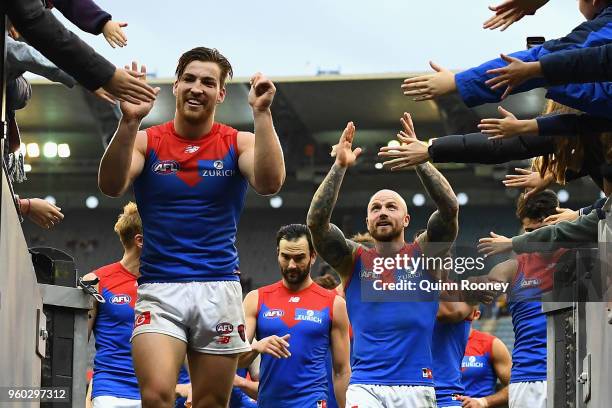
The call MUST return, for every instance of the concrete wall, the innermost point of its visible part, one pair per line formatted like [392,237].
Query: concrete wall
[20,299]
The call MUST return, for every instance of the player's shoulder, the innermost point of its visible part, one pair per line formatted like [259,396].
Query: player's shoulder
[274,287]
[106,271]
[321,291]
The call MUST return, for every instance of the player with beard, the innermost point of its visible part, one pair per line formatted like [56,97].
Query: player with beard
[190,178]
[314,320]
[392,362]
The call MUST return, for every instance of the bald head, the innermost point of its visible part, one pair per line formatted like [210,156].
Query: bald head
[385,195]
[387,216]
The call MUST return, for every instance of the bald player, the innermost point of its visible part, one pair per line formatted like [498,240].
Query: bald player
[392,363]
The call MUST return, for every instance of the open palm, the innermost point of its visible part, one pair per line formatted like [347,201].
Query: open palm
[345,155]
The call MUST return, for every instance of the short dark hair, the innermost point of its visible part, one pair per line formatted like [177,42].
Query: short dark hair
[538,206]
[293,232]
[206,55]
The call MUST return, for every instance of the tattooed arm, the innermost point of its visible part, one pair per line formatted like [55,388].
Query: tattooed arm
[328,239]
[443,225]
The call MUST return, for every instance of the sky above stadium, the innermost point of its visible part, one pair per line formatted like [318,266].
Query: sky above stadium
[301,37]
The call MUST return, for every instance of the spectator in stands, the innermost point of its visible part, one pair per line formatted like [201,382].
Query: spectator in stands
[45,33]
[473,84]
[486,360]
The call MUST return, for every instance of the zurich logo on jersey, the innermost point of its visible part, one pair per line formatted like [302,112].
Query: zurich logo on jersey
[472,362]
[308,315]
[530,283]
[120,299]
[165,167]
[273,313]
[218,164]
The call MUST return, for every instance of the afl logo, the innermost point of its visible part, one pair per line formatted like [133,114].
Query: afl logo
[120,299]
[224,328]
[165,167]
[273,314]
[218,164]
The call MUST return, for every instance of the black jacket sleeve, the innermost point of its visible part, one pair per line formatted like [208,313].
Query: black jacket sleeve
[477,148]
[45,33]
[596,205]
[573,124]
[585,65]
[85,14]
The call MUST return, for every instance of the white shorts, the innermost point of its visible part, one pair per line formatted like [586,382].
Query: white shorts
[390,396]
[208,316]
[105,401]
[527,395]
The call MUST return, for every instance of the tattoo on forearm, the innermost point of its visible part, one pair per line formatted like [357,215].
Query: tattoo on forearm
[325,197]
[442,225]
[438,189]
[328,240]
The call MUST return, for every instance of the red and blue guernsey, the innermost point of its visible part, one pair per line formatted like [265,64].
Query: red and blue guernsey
[113,370]
[534,276]
[299,381]
[392,328]
[477,372]
[449,342]
[190,195]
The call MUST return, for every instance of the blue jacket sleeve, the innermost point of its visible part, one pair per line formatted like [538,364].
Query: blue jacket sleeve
[85,14]
[592,64]
[572,124]
[591,98]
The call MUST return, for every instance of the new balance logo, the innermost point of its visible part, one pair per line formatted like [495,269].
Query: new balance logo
[294,299]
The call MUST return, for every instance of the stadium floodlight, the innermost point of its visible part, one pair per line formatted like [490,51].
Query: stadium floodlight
[418,199]
[563,196]
[378,166]
[50,149]
[393,143]
[462,199]
[27,167]
[63,150]
[276,202]
[91,202]
[50,199]
[33,150]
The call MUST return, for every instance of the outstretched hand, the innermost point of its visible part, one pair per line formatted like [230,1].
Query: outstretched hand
[530,180]
[344,153]
[114,34]
[496,244]
[430,86]
[410,152]
[511,11]
[512,75]
[130,85]
[137,110]
[506,127]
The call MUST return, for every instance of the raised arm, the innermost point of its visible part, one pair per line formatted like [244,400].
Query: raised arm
[261,156]
[124,157]
[327,238]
